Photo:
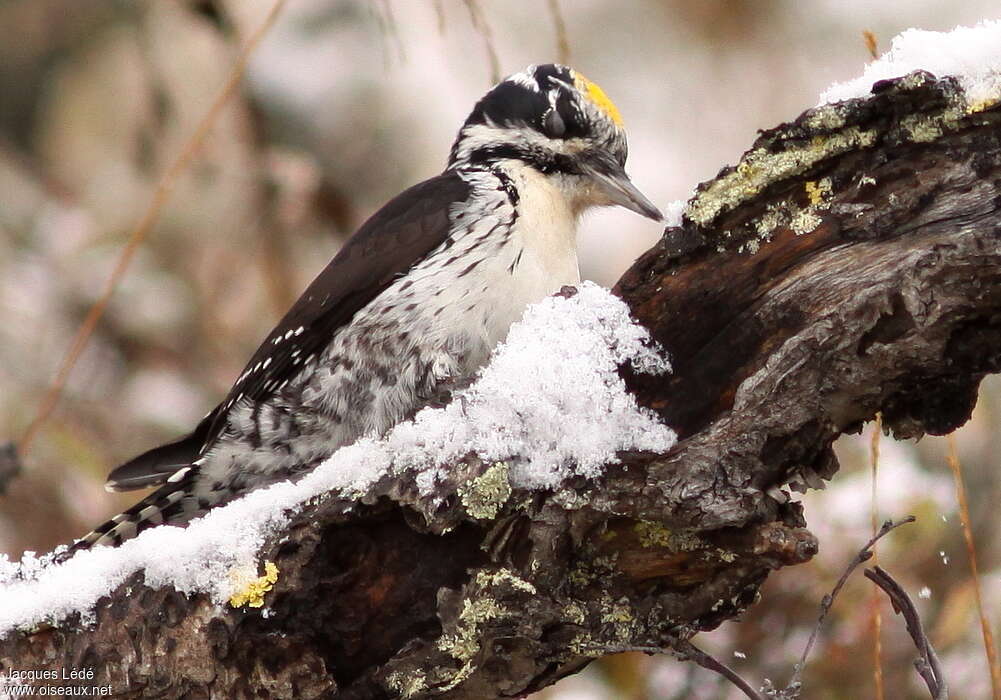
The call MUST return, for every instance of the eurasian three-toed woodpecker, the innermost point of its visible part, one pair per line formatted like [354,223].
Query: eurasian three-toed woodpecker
[418,297]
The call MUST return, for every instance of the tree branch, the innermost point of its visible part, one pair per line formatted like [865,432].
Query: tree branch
[849,264]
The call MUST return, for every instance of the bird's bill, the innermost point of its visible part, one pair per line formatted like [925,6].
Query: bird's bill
[620,190]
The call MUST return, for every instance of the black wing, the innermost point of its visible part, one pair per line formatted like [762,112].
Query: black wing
[395,238]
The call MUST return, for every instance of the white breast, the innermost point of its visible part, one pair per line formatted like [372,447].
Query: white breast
[537,259]
[521,254]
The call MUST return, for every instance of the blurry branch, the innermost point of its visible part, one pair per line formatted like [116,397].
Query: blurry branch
[877,618]
[27,164]
[849,264]
[481,25]
[865,554]
[439,11]
[927,665]
[160,197]
[10,464]
[688,651]
[390,31]
[560,25]
[964,515]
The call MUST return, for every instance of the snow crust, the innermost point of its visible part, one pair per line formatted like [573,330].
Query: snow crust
[550,403]
[971,54]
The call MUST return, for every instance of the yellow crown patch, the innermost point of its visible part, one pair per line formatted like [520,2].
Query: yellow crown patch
[598,98]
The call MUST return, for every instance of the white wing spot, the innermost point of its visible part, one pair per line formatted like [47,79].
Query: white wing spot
[178,475]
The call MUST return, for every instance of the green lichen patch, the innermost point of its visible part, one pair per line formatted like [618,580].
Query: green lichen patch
[464,644]
[574,612]
[504,577]
[652,534]
[832,130]
[407,685]
[762,167]
[484,496]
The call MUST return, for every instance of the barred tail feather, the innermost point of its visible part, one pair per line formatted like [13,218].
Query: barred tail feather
[172,503]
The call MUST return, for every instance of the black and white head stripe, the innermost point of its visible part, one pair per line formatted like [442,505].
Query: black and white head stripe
[548,115]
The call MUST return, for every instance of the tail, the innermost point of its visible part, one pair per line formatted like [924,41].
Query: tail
[175,502]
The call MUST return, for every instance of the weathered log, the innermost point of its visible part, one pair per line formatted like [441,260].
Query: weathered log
[851,263]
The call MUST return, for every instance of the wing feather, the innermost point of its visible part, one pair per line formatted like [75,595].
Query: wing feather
[386,246]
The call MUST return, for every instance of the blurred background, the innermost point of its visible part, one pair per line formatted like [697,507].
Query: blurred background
[346,103]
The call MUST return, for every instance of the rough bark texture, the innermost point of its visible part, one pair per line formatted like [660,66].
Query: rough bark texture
[850,263]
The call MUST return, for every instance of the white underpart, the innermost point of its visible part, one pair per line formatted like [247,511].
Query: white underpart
[544,242]
[452,319]
[550,403]
[971,54]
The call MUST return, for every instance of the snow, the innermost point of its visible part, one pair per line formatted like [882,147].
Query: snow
[550,403]
[673,211]
[971,54]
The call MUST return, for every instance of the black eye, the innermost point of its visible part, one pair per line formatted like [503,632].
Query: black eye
[552,124]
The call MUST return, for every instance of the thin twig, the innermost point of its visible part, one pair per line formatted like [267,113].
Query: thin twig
[927,665]
[964,515]
[562,42]
[10,464]
[877,617]
[483,27]
[684,650]
[160,197]
[863,556]
[687,650]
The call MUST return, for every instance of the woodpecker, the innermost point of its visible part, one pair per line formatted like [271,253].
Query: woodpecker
[417,298]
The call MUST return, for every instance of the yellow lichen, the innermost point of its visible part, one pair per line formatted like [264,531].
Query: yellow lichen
[982,104]
[652,534]
[818,192]
[252,589]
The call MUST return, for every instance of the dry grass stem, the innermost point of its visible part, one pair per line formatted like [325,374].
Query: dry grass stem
[874,611]
[481,25]
[964,516]
[160,197]
[562,41]
[870,43]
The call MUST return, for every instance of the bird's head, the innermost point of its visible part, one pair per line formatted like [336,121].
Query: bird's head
[553,119]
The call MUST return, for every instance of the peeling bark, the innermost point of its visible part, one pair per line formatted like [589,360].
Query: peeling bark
[851,263]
